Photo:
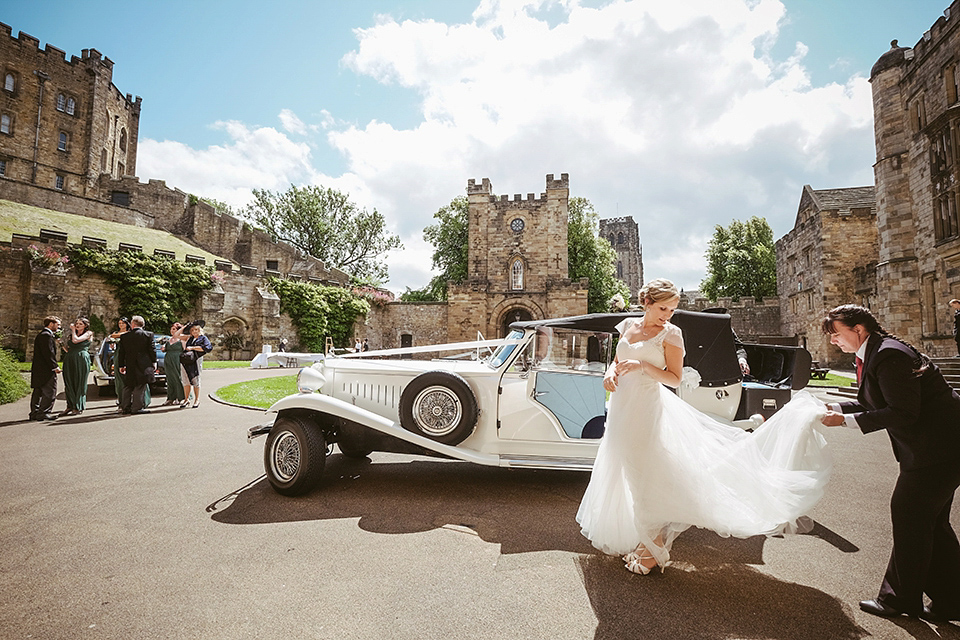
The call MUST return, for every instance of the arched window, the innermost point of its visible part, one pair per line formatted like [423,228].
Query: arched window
[6,124]
[620,270]
[611,239]
[103,161]
[619,238]
[62,142]
[123,139]
[9,82]
[61,102]
[516,275]
[71,106]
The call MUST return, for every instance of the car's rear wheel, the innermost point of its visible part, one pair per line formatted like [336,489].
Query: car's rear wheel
[294,455]
[352,451]
[439,405]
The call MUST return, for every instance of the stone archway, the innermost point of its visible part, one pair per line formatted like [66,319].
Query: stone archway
[513,314]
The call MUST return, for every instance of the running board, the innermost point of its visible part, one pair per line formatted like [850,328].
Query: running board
[546,462]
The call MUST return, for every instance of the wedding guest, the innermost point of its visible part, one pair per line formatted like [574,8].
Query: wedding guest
[137,359]
[172,349]
[197,346]
[76,366]
[123,325]
[44,370]
[903,392]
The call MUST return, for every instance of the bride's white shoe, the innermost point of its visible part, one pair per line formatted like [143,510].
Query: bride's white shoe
[633,562]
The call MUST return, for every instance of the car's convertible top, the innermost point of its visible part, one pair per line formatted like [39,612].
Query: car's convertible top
[708,339]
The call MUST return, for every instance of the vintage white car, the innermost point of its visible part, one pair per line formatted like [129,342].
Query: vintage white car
[536,401]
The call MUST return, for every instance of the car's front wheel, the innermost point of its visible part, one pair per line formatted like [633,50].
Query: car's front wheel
[439,405]
[294,455]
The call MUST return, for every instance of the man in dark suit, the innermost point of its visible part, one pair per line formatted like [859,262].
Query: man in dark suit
[955,305]
[137,364]
[44,370]
[904,393]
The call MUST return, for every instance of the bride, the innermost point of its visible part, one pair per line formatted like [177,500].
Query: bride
[663,466]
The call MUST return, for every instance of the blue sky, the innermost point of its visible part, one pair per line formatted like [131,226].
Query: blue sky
[684,115]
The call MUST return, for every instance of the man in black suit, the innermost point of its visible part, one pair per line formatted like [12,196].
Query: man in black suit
[904,393]
[44,370]
[137,364]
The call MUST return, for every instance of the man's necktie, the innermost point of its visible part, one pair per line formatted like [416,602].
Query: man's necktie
[859,368]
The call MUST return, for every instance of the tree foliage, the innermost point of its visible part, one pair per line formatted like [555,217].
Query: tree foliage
[324,223]
[590,256]
[449,237]
[160,289]
[741,261]
[318,311]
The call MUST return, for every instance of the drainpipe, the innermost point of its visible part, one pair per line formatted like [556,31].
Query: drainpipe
[42,77]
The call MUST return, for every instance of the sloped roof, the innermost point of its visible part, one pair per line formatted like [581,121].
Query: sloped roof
[849,198]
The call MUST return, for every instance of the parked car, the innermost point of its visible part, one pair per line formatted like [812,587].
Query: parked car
[103,364]
[537,401]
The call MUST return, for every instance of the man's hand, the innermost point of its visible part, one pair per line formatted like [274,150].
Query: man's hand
[123,370]
[833,419]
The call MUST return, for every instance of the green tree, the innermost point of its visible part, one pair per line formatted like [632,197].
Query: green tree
[326,224]
[319,311]
[741,261]
[449,237]
[590,256]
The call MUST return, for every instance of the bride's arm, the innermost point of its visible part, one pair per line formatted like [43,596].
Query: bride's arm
[610,377]
[673,374]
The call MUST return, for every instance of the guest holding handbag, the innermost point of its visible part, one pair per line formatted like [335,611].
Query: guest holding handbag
[197,346]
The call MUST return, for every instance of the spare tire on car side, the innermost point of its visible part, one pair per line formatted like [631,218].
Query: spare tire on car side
[439,405]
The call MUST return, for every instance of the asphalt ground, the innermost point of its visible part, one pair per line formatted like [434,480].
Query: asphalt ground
[163,526]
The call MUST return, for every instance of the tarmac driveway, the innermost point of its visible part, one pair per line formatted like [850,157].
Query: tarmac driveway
[162,526]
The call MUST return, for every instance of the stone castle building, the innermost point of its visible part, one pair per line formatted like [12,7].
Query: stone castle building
[624,236]
[916,104]
[63,123]
[828,258]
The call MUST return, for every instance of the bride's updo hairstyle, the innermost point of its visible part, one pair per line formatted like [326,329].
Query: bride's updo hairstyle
[657,291]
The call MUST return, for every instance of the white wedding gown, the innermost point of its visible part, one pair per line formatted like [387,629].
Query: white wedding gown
[663,466]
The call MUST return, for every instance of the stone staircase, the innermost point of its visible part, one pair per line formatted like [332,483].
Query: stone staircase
[949,367]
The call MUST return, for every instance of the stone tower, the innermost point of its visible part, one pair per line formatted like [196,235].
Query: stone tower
[517,262]
[624,237]
[64,123]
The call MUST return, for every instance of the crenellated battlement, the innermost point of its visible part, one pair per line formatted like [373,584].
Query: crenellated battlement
[933,36]
[518,200]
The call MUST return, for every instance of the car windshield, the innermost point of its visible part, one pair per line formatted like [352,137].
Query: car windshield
[505,350]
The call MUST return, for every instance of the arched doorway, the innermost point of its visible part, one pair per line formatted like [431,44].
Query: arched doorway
[516,314]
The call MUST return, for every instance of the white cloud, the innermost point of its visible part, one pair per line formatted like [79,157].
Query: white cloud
[672,112]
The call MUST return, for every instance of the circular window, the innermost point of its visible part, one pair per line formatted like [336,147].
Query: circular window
[517,225]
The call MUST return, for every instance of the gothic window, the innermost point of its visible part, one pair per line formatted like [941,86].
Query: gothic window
[123,139]
[620,269]
[611,239]
[946,223]
[516,275]
[62,141]
[950,79]
[71,106]
[918,114]
[103,161]
[120,169]
[61,102]
[6,124]
[58,183]
[9,83]
[619,238]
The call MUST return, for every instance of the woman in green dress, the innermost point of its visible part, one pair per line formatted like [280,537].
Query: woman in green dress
[172,349]
[76,366]
[123,325]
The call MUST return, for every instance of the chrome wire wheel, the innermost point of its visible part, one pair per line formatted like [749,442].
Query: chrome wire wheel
[285,457]
[437,410]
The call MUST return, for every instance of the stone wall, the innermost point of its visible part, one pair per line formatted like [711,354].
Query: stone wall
[424,323]
[49,198]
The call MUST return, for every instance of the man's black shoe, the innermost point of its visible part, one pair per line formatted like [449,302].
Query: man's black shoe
[136,413]
[877,608]
[50,416]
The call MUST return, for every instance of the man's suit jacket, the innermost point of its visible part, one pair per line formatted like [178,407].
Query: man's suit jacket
[920,413]
[138,355]
[44,364]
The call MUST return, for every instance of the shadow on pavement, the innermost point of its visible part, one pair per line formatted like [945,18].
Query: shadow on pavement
[708,595]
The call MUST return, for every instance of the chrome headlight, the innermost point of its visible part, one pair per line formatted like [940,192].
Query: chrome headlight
[310,379]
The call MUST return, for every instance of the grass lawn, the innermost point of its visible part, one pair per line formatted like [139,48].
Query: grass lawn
[832,380]
[22,218]
[258,393]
